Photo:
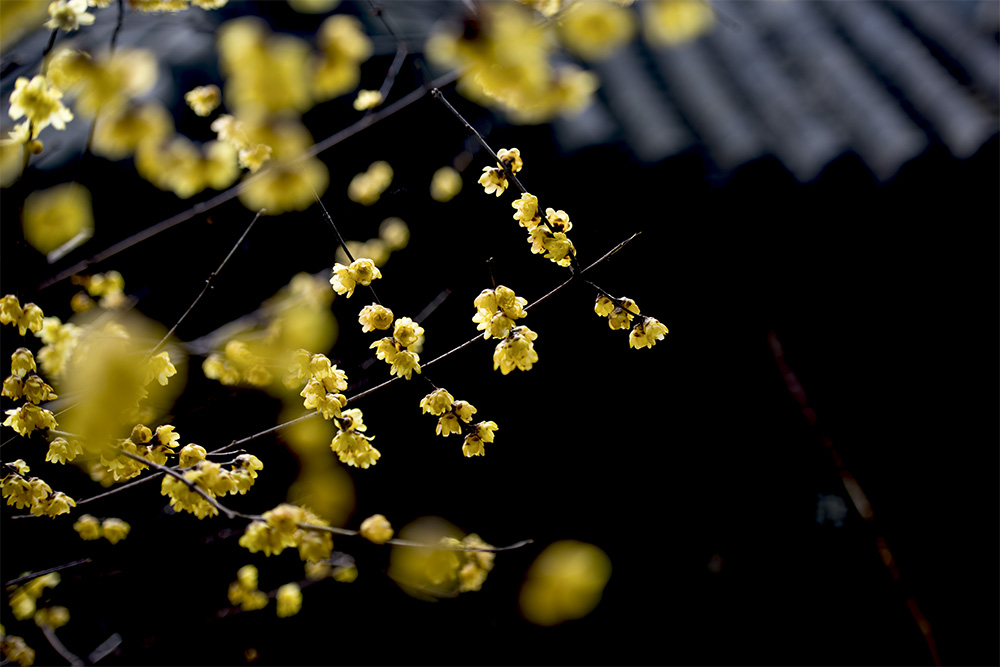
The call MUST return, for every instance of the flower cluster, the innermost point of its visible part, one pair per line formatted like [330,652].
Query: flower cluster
[60,341]
[211,478]
[375,317]
[244,591]
[110,287]
[32,492]
[155,447]
[28,318]
[360,272]
[504,59]
[366,188]
[250,155]
[324,384]
[400,349]
[494,179]
[620,313]
[23,599]
[281,528]
[516,351]
[237,364]
[456,417]
[350,444]
[24,383]
[14,649]
[451,567]
[496,310]
[548,237]
[91,528]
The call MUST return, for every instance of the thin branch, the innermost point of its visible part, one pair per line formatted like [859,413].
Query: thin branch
[208,285]
[57,568]
[60,648]
[230,194]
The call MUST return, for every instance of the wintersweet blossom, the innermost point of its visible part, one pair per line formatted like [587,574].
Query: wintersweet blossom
[289,599]
[203,100]
[360,272]
[511,159]
[516,351]
[437,402]
[493,181]
[375,317]
[445,184]
[527,211]
[367,99]
[647,333]
[68,15]
[377,529]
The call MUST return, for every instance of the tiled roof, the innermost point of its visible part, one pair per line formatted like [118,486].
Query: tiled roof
[806,82]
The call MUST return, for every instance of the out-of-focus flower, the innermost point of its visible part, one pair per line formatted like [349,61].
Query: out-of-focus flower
[377,529]
[56,216]
[289,598]
[343,47]
[265,72]
[68,15]
[670,22]
[564,583]
[445,184]
[203,100]
[38,102]
[367,99]
[366,187]
[594,29]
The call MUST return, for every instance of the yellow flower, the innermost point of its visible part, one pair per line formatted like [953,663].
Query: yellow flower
[565,582]
[10,310]
[253,157]
[62,450]
[646,333]
[354,449]
[264,72]
[558,220]
[57,216]
[22,361]
[36,390]
[473,446]
[119,131]
[559,249]
[595,30]
[464,410]
[445,184]
[367,99]
[366,188]
[115,530]
[28,418]
[387,349]
[343,46]
[190,455]
[407,332]
[13,387]
[527,211]
[52,617]
[493,181]
[670,22]
[160,368]
[622,314]
[289,598]
[281,187]
[375,317]
[246,576]
[394,233]
[437,402]
[68,15]
[88,527]
[404,363]
[377,529]
[516,351]
[448,424]
[604,306]
[40,104]
[346,278]
[511,159]
[254,600]
[203,100]
[56,504]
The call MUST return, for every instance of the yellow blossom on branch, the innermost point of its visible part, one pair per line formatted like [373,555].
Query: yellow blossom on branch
[38,102]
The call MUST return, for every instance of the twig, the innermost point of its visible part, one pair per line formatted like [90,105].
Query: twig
[60,648]
[57,568]
[853,488]
[230,194]
[208,285]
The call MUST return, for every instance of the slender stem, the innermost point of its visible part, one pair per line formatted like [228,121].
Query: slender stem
[48,49]
[60,648]
[233,192]
[118,24]
[57,568]
[208,285]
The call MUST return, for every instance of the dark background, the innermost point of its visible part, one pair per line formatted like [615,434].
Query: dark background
[883,296]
